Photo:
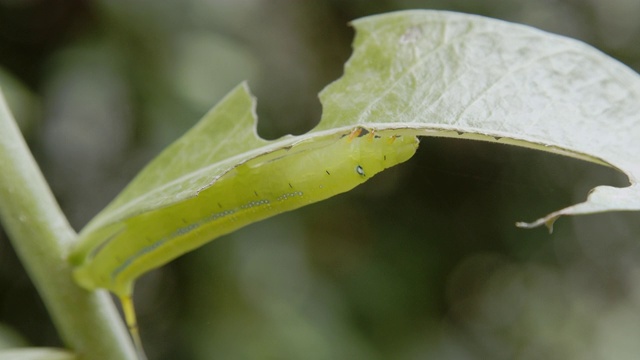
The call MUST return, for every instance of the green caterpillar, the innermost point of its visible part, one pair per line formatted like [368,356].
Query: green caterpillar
[267,185]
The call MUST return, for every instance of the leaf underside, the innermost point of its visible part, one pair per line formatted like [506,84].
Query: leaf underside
[430,73]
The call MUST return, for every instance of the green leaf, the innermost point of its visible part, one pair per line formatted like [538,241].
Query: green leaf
[426,73]
[458,75]
[36,354]
[224,138]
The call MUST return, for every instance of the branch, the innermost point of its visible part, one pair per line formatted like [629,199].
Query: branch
[88,322]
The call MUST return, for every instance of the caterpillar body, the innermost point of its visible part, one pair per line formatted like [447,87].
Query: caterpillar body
[253,191]
[257,189]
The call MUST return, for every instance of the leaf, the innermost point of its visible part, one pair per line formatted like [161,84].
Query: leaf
[458,75]
[223,139]
[429,73]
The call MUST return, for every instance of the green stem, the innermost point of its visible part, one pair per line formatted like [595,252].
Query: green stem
[88,322]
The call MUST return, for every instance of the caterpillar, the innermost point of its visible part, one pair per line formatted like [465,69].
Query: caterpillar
[264,186]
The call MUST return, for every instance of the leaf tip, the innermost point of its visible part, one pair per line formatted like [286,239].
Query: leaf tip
[547,221]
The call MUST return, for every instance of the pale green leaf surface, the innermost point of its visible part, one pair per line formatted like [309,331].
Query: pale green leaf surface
[434,74]
[36,354]
[445,73]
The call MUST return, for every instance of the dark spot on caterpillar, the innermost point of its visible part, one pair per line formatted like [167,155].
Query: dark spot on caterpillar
[219,205]
[327,171]
[385,158]
[360,170]
[460,133]
[184,220]
[377,136]
[291,186]
[363,132]
[255,192]
[497,138]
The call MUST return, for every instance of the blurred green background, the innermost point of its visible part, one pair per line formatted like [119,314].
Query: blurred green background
[423,261]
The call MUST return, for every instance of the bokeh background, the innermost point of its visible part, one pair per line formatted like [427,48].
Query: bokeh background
[422,262]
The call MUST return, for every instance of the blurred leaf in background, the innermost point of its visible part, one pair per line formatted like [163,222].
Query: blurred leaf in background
[421,262]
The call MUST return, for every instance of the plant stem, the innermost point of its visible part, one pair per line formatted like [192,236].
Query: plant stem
[88,322]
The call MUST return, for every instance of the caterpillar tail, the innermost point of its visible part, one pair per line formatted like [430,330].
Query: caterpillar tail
[132,324]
